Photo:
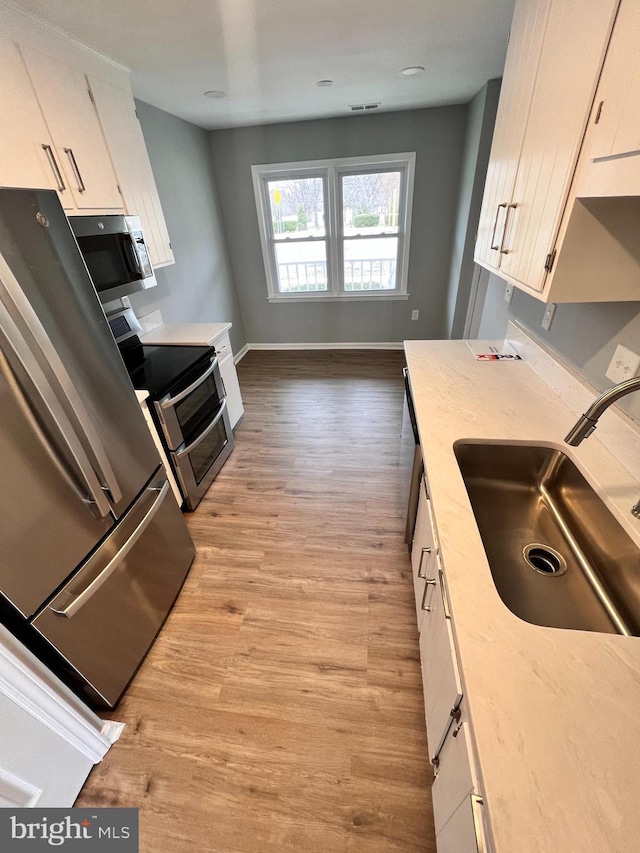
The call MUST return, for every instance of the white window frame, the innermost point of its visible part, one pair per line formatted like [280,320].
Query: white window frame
[332,171]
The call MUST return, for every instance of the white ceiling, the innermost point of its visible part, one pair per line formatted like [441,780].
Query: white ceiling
[269,54]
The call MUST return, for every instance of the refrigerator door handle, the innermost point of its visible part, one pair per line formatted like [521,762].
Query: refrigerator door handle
[173,401]
[16,303]
[74,601]
[16,345]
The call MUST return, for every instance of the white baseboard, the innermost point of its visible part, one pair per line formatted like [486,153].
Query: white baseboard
[385,345]
[241,354]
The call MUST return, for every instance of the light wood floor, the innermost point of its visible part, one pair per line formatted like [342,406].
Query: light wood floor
[281,707]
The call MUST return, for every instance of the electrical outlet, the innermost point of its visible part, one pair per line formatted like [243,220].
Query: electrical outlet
[415,314]
[126,302]
[625,364]
[548,316]
[508,293]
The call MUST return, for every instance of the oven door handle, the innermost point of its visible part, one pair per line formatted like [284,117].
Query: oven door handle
[180,454]
[173,401]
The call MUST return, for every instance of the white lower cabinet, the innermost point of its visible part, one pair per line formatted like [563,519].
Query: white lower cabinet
[230,378]
[458,806]
[440,676]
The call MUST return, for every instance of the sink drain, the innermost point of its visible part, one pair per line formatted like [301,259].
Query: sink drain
[544,559]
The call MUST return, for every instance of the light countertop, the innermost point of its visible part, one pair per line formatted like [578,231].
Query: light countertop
[555,713]
[186,334]
[141,395]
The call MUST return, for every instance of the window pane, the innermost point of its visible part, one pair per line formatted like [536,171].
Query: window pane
[370,264]
[371,203]
[301,266]
[297,207]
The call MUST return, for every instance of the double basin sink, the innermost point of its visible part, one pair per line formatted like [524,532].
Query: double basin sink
[557,555]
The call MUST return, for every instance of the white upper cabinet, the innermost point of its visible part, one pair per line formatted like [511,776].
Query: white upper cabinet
[26,152]
[525,45]
[555,56]
[616,128]
[69,124]
[117,114]
[78,140]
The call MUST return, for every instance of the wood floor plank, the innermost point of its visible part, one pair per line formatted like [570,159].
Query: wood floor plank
[281,707]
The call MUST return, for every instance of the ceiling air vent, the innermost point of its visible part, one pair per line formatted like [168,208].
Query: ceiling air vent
[363,108]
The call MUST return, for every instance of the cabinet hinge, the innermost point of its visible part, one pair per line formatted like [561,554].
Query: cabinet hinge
[548,264]
[91,96]
[599,113]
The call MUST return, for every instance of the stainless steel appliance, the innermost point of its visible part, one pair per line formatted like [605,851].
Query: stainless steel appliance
[411,457]
[94,547]
[189,404]
[115,253]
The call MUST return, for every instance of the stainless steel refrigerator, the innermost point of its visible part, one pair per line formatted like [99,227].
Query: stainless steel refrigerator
[93,547]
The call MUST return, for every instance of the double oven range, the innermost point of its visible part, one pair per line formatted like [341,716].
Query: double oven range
[188,403]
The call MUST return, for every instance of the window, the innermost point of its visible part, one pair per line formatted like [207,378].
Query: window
[336,229]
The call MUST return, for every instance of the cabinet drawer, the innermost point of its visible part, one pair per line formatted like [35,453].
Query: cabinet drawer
[423,555]
[223,347]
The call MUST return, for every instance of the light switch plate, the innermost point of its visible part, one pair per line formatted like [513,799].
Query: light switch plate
[548,316]
[625,364]
[508,293]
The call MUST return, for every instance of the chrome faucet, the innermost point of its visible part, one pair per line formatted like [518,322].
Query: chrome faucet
[586,424]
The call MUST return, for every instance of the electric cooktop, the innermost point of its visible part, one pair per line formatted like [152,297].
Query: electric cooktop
[164,367]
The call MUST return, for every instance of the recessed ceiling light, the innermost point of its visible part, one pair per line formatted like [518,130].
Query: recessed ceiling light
[215,93]
[324,83]
[412,70]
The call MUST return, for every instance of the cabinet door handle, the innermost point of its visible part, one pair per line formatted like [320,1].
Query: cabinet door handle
[424,551]
[76,171]
[423,605]
[495,245]
[57,174]
[504,251]
[476,805]
[445,600]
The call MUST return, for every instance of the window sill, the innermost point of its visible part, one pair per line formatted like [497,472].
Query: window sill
[356,297]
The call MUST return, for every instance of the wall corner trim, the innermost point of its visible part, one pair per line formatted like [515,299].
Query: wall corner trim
[27,682]
[241,353]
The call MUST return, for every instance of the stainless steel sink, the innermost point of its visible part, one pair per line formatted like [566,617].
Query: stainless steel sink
[557,555]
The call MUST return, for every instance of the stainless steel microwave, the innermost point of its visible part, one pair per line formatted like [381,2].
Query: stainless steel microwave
[115,253]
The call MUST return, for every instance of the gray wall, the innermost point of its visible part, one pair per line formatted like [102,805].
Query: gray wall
[480,122]
[199,287]
[584,335]
[436,135]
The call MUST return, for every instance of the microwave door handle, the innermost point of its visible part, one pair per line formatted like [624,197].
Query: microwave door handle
[180,454]
[132,259]
[16,348]
[72,602]
[173,401]
[21,311]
